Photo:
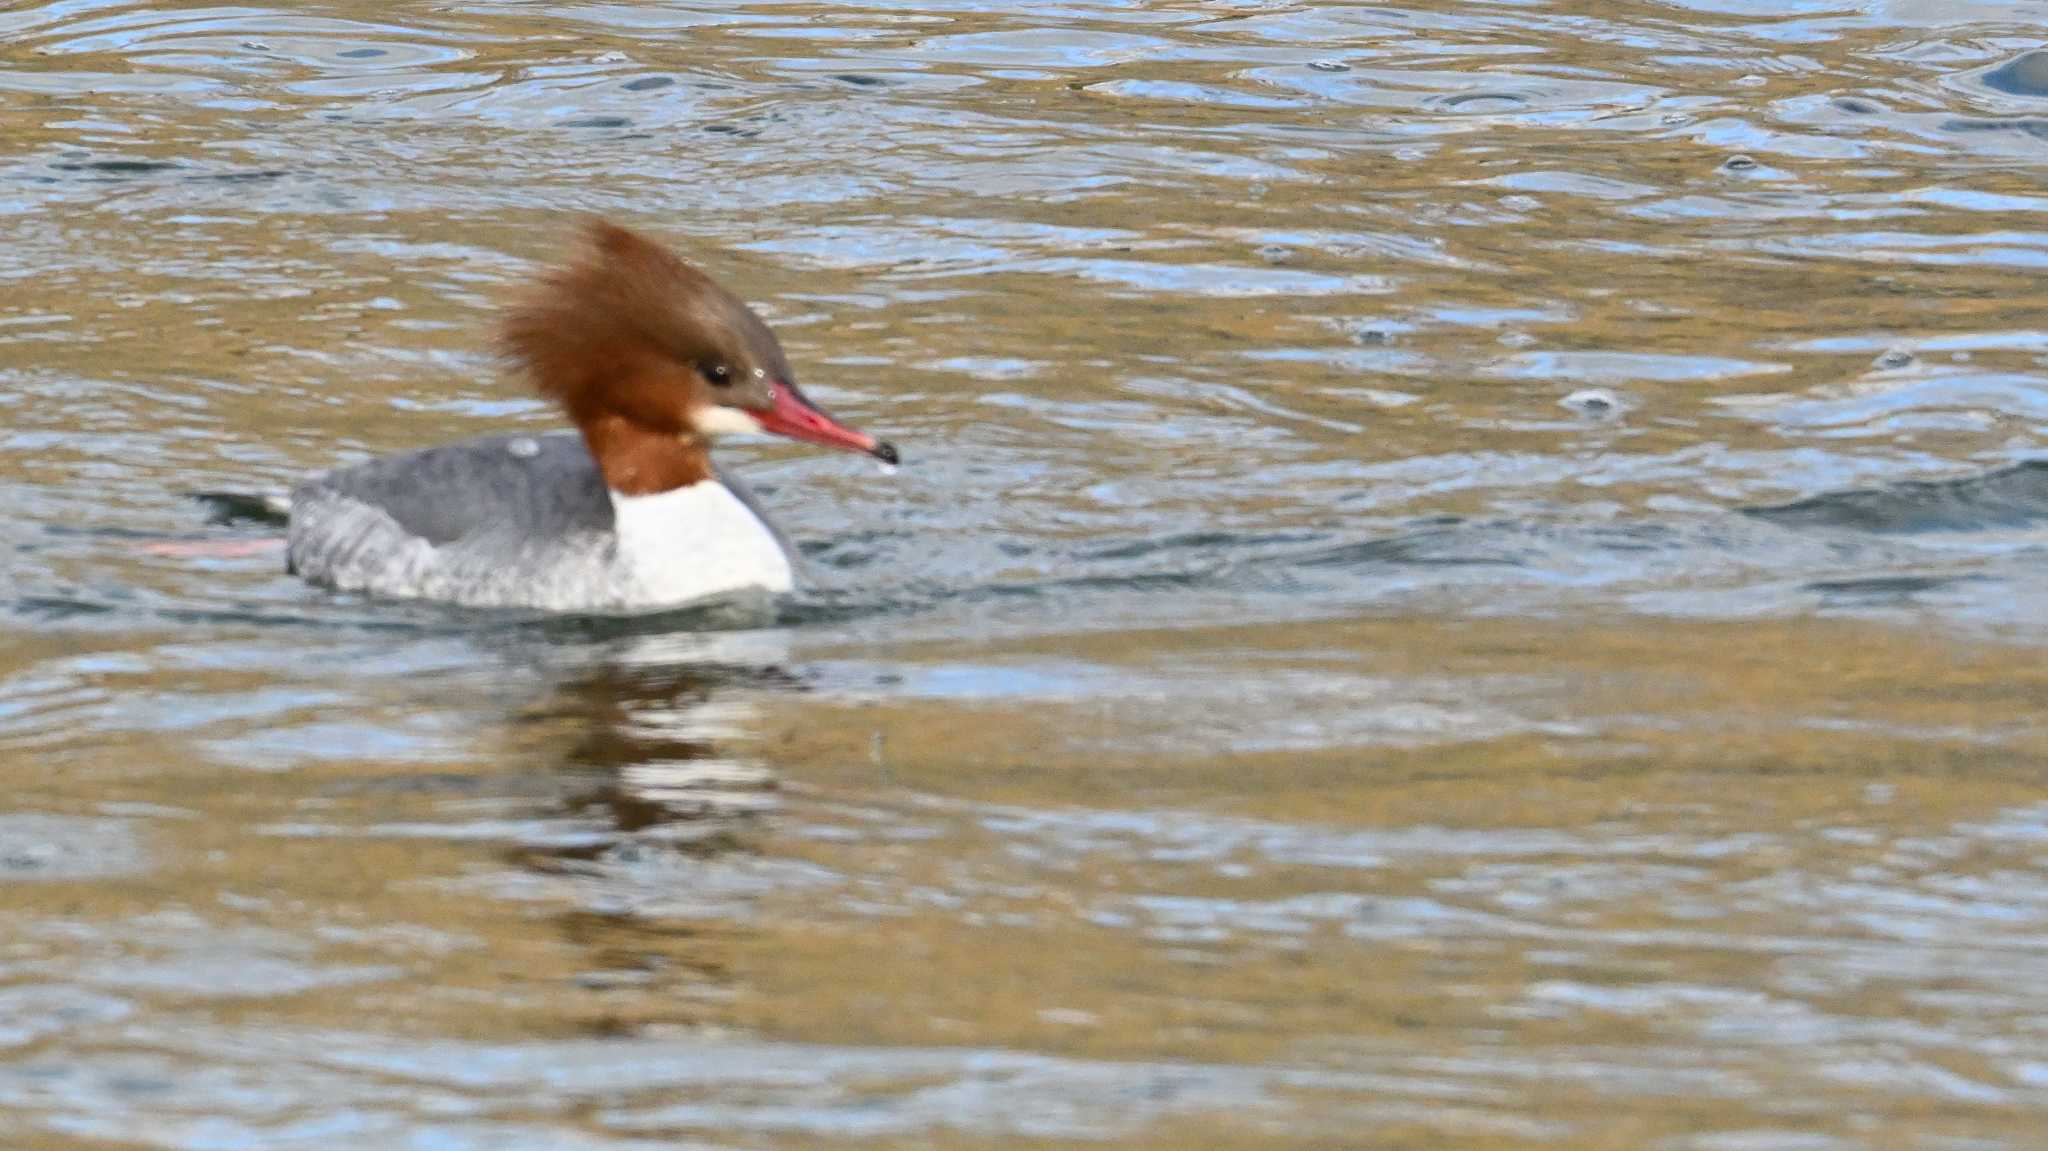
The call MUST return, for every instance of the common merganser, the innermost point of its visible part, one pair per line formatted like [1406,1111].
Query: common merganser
[652,361]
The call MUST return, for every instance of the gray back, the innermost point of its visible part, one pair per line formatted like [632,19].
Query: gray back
[539,487]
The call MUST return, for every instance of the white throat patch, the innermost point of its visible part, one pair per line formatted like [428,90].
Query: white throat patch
[717,421]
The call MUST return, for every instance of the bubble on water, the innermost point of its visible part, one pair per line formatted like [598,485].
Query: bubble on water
[1739,164]
[1894,359]
[1594,403]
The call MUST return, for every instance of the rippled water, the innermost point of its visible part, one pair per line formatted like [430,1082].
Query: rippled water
[1469,575]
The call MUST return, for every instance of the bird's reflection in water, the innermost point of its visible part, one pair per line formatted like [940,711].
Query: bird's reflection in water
[652,741]
[664,726]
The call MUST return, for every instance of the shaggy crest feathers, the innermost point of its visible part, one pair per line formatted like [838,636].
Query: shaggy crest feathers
[624,315]
[620,337]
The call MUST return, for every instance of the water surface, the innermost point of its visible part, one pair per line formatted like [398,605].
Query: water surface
[1469,575]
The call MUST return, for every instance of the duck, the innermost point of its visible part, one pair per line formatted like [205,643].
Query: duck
[651,362]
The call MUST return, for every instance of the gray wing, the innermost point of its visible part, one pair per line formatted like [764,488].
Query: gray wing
[538,487]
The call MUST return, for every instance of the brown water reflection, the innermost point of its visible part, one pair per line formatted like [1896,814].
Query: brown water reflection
[1469,579]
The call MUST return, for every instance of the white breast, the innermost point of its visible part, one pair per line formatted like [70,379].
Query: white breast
[693,543]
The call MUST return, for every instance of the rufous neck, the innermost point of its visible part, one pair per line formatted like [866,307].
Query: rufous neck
[637,461]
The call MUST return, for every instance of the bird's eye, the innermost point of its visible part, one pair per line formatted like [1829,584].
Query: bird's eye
[719,375]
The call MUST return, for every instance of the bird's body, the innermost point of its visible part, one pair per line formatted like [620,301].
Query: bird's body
[528,521]
[651,361]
